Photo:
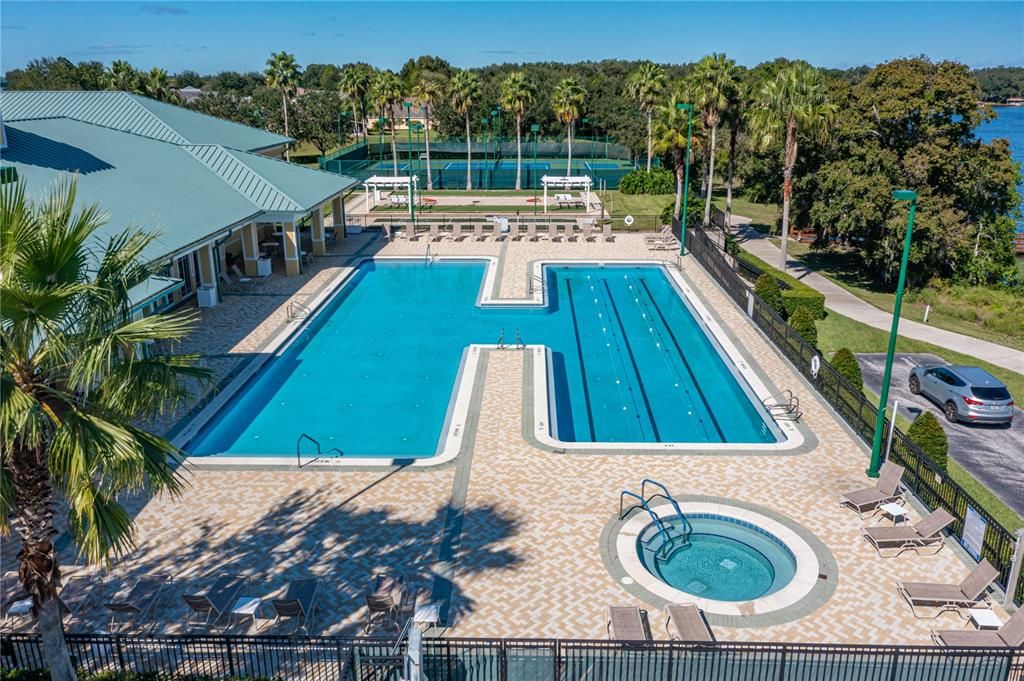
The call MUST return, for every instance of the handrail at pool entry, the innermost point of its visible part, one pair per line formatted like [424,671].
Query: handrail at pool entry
[663,529]
[305,436]
[687,527]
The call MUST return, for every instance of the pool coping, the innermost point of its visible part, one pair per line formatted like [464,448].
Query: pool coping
[797,438]
[813,584]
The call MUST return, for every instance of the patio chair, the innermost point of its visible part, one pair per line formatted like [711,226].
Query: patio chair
[226,280]
[78,595]
[689,623]
[299,602]
[531,231]
[138,603]
[434,233]
[606,232]
[570,231]
[214,602]
[628,623]
[385,604]
[661,235]
[242,279]
[1010,635]
[926,533]
[410,232]
[553,231]
[969,593]
[478,231]
[513,231]
[385,231]
[456,231]
[886,490]
[15,601]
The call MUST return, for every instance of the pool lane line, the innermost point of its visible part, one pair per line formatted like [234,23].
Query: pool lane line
[579,354]
[686,363]
[632,360]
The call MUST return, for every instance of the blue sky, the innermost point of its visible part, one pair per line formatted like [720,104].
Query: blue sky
[211,36]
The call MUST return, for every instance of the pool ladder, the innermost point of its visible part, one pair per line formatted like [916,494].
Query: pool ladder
[297,310]
[502,345]
[319,453]
[537,283]
[671,540]
[783,405]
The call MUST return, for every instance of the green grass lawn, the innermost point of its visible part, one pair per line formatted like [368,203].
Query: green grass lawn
[482,208]
[978,311]
[836,331]
[618,204]
[763,215]
[482,192]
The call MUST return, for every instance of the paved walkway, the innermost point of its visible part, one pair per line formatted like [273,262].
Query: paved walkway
[845,303]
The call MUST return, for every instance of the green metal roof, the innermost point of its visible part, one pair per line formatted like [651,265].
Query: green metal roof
[137,115]
[148,290]
[188,193]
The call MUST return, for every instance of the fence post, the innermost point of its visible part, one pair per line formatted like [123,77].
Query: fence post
[231,658]
[120,653]
[1015,569]
[894,667]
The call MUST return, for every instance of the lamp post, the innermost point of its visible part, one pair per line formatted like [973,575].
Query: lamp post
[412,176]
[496,121]
[682,106]
[583,120]
[535,129]
[380,136]
[883,400]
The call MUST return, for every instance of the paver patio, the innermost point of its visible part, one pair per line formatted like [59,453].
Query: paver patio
[526,562]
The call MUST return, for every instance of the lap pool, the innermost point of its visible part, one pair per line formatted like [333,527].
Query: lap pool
[373,373]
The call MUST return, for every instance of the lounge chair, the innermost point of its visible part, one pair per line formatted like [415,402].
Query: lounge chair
[531,231]
[386,602]
[553,231]
[606,232]
[456,231]
[226,280]
[298,602]
[478,231]
[15,601]
[78,595]
[886,490]
[138,603]
[242,279]
[926,533]
[969,593]
[385,230]
[661,235]
[434,233]
[215,602]
[627,623]
[1010,635]
[570,231]
[689,623]
[410,232]
[513,231]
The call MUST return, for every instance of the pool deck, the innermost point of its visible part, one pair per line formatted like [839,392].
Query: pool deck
[508,534]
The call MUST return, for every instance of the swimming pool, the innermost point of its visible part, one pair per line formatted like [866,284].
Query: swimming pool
[372,375]
[724,559]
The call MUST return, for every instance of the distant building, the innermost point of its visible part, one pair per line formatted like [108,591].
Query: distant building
[190,94]
[1015,101]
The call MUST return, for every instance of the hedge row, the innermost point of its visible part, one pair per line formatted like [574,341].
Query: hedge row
[797,295]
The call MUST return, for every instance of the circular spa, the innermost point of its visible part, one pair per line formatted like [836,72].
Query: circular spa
[729,558]
[716,557]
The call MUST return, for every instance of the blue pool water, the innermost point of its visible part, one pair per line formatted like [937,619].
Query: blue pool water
[374,372]
[724,560]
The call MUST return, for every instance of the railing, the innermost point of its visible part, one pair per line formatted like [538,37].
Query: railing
[929,483]
[319,453]
[297,310]
[362,659]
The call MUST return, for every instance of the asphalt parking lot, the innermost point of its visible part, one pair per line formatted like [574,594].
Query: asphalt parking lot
[993,454]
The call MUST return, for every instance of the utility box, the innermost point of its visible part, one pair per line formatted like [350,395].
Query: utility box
[263,267]
[207,296]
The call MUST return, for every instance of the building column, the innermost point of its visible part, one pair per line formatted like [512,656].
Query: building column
[250,248]
[317,219]
[338,217]
[207,267]
[292,265]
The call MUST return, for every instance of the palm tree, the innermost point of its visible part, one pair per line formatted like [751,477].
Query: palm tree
[158,84]
[792,103]
[464,91]
[669,134]
[386,94]
[735,116]
[283,75]
[645,85]
[516,95]
[715,80]
[426,92]
[122,76]
[354,83]
[567,101]
[74,385]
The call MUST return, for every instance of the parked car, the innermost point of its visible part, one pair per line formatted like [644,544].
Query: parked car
[966,394]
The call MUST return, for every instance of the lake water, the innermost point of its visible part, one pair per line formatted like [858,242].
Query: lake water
[1008,124]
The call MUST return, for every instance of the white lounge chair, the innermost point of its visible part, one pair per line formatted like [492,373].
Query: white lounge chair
[242,279]
[478,231]
[433,231]
[456,231]
[606,232]
[531,231]
[513,231]
[570,231]
[553,231]
[585,230]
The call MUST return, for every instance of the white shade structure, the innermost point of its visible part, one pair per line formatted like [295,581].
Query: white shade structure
[582,182]
[394,183]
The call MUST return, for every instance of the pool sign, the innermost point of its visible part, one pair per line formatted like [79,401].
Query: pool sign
[815,366]
[628,220]
[974,532]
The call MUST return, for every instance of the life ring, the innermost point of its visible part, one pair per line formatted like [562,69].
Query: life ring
[628,220]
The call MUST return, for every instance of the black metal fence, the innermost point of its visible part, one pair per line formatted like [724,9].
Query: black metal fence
[443,659]
[930,484]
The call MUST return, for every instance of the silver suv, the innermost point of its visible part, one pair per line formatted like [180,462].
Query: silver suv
[966,394]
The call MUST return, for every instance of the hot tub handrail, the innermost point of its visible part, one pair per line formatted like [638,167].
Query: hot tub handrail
[687,527]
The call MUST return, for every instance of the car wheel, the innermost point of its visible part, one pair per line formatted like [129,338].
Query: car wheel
[950,410]
[915,385]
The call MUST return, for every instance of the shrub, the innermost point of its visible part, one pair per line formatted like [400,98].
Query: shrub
[768,289]
[694,212]
[927,433]
[796,296]
[846,364]
[803,323]
[658,181]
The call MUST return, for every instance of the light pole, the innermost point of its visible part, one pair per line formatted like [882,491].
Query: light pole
[380,136]
[535,129]
[682,106]
[412,176]
[583,120]
[883,400]
[496,121]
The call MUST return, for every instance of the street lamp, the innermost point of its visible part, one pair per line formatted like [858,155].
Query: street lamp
[380,136]
[535,129]
[408,129]
[883,400]
[682,106]
[583,120]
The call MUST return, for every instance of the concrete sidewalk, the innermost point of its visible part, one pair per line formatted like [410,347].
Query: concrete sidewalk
[845,303]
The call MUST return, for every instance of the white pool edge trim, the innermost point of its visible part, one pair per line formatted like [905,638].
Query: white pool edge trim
[804,580]
[450,442]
